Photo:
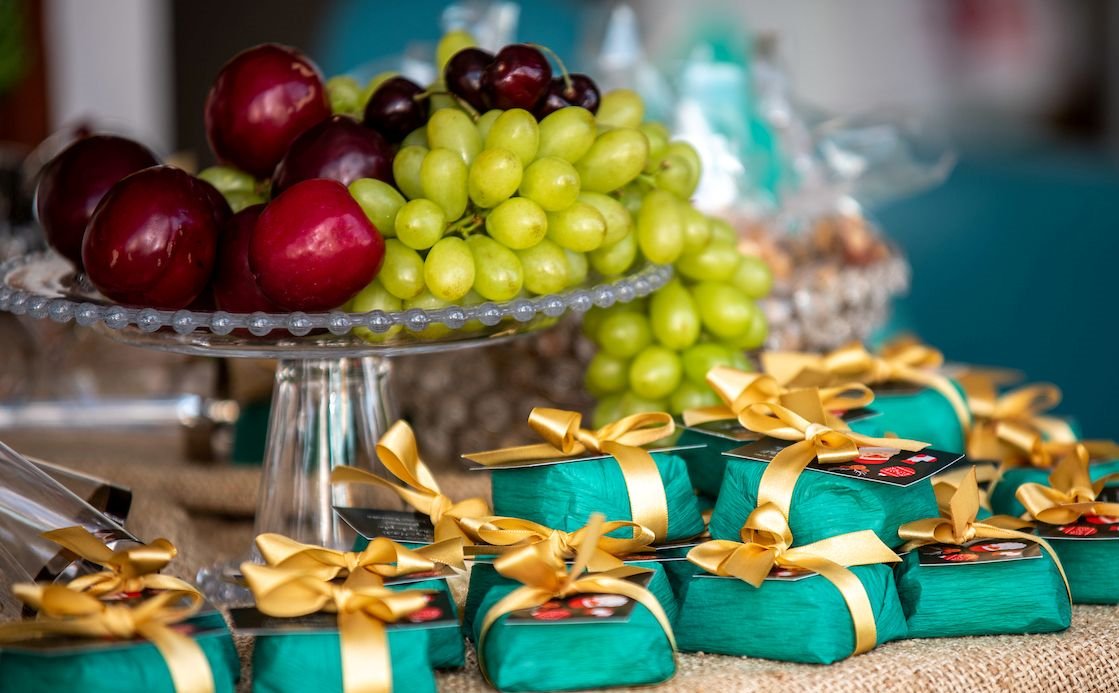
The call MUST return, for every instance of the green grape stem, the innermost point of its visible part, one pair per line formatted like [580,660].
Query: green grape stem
[568,90]
[467,224]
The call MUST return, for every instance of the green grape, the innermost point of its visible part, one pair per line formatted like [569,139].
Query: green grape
[517,131]
[611,260]
[739,361]
[380,202]
[722,231]
[615,158]
[440,99]
[375,297]
[345,95]
[406,167]
[692,396]
[657,135]
[580,227]
[606,374]
[752,276]
[608,410]
[624,334]
[567,133]
[716,262]
[420,223]
[618,220]
[378,79]
[633,403]
[545,268]
[417,137]
[703,357]
[673,174]
[402,272]
[697,228]
[755,334]
[494,177]
[497,271]
[551,183]
[655,372]
[240,199]
[674,317]
[631,197]
[227,179]
[427,301]
[620,108]
[450,128]
[485,122]
[591,320]
[725,311]
[577,267]
[518,223]
[660,230]
[443,179]
[688,153]
[449,269]
[450,43]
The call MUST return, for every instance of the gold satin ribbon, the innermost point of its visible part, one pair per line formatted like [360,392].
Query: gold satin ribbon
[946,483]
[957,524]
[1071,494]
[767,542]
[127,571]
[607,553]
[400,454]
[381,556]
[739,390]
[544,576]
[565,437]
[363,604]
[907,362]
[64,611]
[1022,407]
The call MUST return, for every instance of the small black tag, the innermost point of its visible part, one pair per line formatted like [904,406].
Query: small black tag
[978,551]
[398,525]
[732,430]
[777,573]
[580,608]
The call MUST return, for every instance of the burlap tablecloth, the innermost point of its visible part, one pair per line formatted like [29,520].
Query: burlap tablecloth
[206,512]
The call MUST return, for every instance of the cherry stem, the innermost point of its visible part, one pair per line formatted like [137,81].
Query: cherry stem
[568,89]
[462,103]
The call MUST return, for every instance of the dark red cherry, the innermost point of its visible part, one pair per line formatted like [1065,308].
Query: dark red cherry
[518,77]
[338,148]
[463,76]
[583,92]
[395,108]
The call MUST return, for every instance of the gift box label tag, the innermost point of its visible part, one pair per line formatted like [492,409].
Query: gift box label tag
[897,388]
[473,466]
[250,621]
[883,465]
[777,573]
[1088,527]
[441,572]
[978,551]
[730,429]
[590,607]
[398,525]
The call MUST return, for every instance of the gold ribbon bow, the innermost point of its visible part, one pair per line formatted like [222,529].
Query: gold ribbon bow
[564,437]
[739,390]
[908,362]
[1024,446]
[767,542]
[800,417]
[363,604]
[607,553]
[545,576]
[1071,494]
[127,571]
[957,524]
[64,611]
[1022,407]
[381,556]
[400,454]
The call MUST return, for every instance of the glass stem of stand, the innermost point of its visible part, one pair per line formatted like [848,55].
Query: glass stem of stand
[325,413]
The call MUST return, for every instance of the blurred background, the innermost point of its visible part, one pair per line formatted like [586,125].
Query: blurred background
[1010,255]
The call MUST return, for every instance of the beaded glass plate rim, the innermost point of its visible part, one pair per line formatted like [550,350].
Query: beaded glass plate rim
[86,313]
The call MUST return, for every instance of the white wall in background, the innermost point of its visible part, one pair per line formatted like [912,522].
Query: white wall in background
[110,60]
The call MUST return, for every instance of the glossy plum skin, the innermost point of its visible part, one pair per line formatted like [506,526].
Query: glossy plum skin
[153,240]
[262,99]
[583,92]
[394,109]
[463,76]
[518,77]
[338,148]
[313,248]
[75,181]
[234,288]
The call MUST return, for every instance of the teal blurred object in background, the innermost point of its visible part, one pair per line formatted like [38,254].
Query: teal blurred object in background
[1014,265]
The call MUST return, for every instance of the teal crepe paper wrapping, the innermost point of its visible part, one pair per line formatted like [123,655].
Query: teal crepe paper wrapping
[137,668]
[803,621]
[312,662]
[823,504]
[925,415]
[563,495]
[484,577]
[706,465]
[1090,567]
[574,656]
[1003,501]
[1004,598]
[446,649]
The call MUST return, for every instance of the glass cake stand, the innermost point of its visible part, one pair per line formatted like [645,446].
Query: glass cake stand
[331,401]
